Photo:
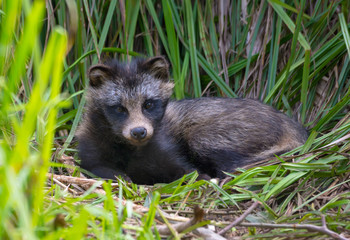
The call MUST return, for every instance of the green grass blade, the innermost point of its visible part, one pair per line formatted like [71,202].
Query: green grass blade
[275,45]
[113,50]
[132,9]
[184,71]
[296,34]
[305,84]
[256,30]
[290,8]
[286,19]
[153,13]
[74,126]
[319,194]
[345,101]
[66,117]
[174,49]
[27,43]
[52,62]
[215,77]
[145,27]
[345,31]
[9,15]
[92,28]
[107,24]
[281,79]
[290,197]
[284,183]
[192,47]
[203,38]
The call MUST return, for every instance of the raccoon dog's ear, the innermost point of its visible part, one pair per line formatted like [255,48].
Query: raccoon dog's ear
[98,74]
[157,67]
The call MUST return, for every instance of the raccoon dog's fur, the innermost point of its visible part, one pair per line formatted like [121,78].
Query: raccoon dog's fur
[131,128]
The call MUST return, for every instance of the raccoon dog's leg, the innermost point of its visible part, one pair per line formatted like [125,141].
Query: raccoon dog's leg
[97,160]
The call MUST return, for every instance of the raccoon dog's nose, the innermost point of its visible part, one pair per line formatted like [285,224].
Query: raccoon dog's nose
[138,133]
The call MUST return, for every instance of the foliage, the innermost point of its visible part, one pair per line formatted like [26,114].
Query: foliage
[293,55]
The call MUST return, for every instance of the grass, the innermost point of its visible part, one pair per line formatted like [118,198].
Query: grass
[293,55]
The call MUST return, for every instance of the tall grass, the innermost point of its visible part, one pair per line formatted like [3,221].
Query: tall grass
[293,55]
[27,119]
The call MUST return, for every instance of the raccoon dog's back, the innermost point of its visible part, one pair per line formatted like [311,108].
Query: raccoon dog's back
[221,134]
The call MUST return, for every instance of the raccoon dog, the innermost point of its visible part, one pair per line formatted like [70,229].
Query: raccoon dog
[130,127]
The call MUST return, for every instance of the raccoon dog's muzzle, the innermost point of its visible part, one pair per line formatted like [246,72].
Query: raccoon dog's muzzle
[138,130]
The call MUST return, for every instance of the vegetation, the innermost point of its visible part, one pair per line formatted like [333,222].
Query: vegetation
[293,55]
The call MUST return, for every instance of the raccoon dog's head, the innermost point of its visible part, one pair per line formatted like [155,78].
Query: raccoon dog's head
[133,96]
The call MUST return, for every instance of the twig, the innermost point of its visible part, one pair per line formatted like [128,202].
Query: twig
[211,212]
[337,141]
[207,234]
[179,227]
[183,203]
[173,229]
[309,227]
[240,219]
[67,188]
[75,180]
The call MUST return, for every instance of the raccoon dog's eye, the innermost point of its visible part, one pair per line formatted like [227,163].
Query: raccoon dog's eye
[148,105]
[120,109]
